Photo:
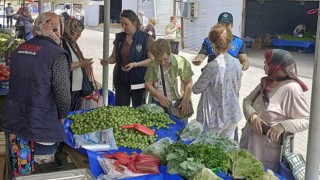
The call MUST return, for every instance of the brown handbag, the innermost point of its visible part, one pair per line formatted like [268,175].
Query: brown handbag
[174,109]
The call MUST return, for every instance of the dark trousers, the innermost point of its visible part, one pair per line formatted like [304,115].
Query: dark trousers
[123,91]
[125,94]
[9,21]
[174,47]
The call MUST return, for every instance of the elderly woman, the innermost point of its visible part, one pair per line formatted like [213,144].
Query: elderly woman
[81,67]
[174,67]
[277,102]
[39,96]
[219,110]
[131,53]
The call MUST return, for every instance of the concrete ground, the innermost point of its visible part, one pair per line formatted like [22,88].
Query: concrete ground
[91,44]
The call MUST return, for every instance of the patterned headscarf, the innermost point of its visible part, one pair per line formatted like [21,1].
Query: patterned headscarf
[50,25]
[71,27]
[282,66]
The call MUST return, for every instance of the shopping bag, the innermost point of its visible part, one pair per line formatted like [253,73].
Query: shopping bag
[174,110]
[92,101]
[87,85]
[171,37]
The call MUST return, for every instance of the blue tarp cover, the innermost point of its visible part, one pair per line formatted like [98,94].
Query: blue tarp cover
[97,170]
[282,42]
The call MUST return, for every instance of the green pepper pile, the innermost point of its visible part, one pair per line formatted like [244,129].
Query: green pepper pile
[116,116]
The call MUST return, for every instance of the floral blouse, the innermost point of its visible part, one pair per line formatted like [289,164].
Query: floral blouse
[219,84]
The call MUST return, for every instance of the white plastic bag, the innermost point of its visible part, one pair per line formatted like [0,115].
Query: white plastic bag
[96,137]
[92,101]
[115,172]
[191,131]
[159,149]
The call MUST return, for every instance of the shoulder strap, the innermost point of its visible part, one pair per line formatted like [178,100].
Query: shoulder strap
[162,79]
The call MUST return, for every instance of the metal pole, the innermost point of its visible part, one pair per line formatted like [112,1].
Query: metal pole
[3,15]
[313,155]
[40,6]
[106,34]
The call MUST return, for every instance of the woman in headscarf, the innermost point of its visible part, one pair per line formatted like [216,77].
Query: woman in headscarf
[277,102]
[81,67]
[39,98]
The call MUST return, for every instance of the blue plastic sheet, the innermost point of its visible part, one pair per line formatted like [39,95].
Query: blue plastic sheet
[92,156]
[282,42]
[171,132]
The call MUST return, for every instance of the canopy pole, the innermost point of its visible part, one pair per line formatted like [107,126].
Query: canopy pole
[106,34]
[40,6]
[3,15]
[313,155]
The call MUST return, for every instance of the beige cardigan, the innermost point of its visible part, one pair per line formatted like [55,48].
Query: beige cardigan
[287,106]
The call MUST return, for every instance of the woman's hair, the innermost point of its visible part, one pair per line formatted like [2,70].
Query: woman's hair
[160,47]
[172,17]
[221,36]
[152,21]
[132,16]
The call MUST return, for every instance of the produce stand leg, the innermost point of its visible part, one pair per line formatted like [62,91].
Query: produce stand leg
[8,172]
[80,160]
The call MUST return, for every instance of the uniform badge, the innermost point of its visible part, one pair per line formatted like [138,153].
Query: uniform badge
[139,47]
[233,47]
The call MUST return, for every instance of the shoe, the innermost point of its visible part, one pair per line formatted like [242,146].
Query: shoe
[58,162]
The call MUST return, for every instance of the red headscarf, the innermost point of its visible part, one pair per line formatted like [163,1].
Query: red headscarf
[282,66]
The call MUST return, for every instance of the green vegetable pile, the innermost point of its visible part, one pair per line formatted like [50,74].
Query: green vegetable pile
[213,139]
[8,42]
[114,117]
[151,108]
[206,174]
[308,36]
[245,165]
[187,161]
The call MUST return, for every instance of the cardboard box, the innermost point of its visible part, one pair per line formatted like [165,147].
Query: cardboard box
[257,46]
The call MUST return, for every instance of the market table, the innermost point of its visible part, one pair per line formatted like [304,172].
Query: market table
[303,46]
[162,133]
[92,156]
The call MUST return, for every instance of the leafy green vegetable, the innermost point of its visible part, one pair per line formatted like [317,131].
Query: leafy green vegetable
[212,138]
[189,160]
[308,36]
[206,174]
[245,165]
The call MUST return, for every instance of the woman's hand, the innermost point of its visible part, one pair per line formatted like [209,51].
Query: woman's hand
[86,63]
[275,132]
[129,66]
[163,100]
[104,62]
[256,124]
[184,105]
[62,121]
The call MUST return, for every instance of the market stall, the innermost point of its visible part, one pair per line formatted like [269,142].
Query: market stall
[304,44]
[129,141]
